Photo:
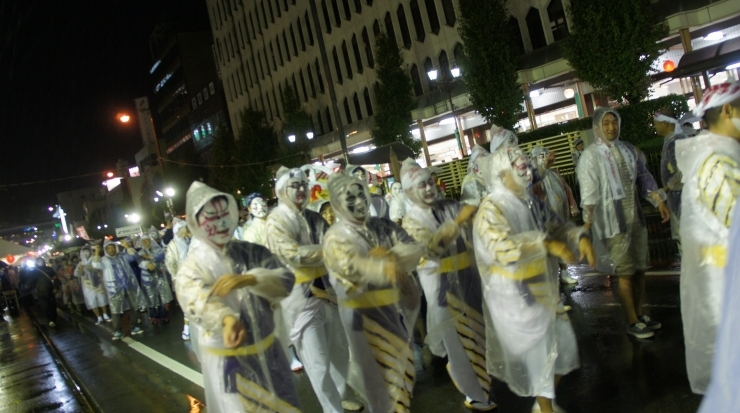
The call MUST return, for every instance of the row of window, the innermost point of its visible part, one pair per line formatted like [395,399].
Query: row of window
[203,96]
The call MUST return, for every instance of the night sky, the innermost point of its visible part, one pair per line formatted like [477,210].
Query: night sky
[67,67]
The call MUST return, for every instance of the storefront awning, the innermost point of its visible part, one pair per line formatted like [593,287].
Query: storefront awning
[382,155]
[714,58]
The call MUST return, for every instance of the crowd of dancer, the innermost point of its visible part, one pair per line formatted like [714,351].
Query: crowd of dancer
[342,287]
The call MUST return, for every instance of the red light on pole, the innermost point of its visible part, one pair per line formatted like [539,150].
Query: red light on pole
[669,66]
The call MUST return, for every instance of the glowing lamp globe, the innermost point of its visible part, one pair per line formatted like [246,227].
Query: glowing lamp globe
[10,258]
[669,66]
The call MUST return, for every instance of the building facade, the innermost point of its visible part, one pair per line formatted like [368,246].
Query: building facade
[323,49]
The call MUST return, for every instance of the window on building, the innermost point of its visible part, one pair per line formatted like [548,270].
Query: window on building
[516,35]
[358,109]
[269,9]
[267,63]
[336,66]
[257,17]
[389,30]
[277,8]
[308,28]
[347,64]
[536,31]
[459,53]
[259,66]
[254,70]
[285,43]
[310,81]
[347,112]
[295,86]
[269,107]
[376,29]
[264,15]
[285,5]
[369,2]
[274,60]
[368,48]
[303,85]
[194,103]
[327,21]
[428,66]
[444,65]
[418,21]
[416,81]
[300,35]
[212,88]
[292,38]
[358,6]
[449,9]
[368,102]
[275,102]
[356,51]
[218,48]
[347,11]
[405,35]
[241,35]
[251,26]
[558,24]
[328,120]
[432,14]
[319,78]
[337,19]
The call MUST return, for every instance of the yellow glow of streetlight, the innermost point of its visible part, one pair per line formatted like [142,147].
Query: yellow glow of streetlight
[110,174]
[124,118]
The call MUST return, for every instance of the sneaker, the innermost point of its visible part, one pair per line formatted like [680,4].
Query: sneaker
[107,318]
[565,278]
[117,335]
[479,406]
[185,336]
[136,330]
[99,321]
[352,406]
[651,325]
[155,321]
[296,365]
[640,330]
[52,324]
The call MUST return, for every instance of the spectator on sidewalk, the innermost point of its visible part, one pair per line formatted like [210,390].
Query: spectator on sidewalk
[612,174]
[43,279]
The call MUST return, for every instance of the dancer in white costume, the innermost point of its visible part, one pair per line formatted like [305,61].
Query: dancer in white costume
[710,163]
[311,315]
[397,202]
[177,250]
[517,238]
[226,289]
[370,261]
[255,230]
[451,283]
[93,288]
[556,193]
[154,280]
[473,185]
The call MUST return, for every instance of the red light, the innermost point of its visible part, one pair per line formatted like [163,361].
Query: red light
[669,66]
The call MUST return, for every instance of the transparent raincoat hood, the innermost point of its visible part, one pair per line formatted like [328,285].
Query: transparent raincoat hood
[197,196]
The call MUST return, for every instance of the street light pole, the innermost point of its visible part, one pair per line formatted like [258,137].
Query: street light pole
[445,85]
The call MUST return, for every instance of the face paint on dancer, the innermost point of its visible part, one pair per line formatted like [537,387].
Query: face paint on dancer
[214,220]
[355,202]
[520,176]
[426,191]
[258,207]
[396,189]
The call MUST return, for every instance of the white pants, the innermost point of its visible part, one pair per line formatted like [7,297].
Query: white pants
[460,369]
[323,349]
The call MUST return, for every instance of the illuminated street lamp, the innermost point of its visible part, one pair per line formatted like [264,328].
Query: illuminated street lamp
[169,192]
[133,218]
[446,82]
[124,118]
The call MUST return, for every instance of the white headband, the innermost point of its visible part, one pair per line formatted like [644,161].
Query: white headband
[716,96]
[663,118]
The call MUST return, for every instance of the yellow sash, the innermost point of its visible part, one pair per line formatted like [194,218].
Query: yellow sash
[714,255]
[373,299]
[457,262]
[524,271]
[307,274]
[244,350]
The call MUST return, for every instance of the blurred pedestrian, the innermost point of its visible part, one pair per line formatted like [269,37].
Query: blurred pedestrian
[710,163]
[612,174]
[43,279]
[71,291]
[177,251]
[154,280]
[93,288]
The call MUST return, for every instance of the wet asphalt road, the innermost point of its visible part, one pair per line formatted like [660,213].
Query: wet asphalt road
[618,372]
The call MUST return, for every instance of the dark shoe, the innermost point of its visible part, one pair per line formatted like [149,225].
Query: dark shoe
[651,325]
[640,330]
[155,321]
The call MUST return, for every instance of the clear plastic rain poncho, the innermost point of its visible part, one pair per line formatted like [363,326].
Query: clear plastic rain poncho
[450,281]
[473,185]
[709,163]
[153,281]
[256,230]
[553,187]
[310,312]
[397,202]
[609,203]
[120,281]
[91,279]
[254,377]
[378,302]
[528,342]
[177,249]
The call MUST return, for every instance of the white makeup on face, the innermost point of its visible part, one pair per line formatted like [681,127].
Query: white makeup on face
[521,172]
[85,254]
[355,202]
[359,173]
[427,191]
[212,219]
[396,188]
[296,190]
[258,207]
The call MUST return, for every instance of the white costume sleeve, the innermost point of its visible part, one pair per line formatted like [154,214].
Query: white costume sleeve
[282,242]
[194,285]
[170,258]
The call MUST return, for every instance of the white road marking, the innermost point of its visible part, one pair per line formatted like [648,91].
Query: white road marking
[672,272]
[182,370]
